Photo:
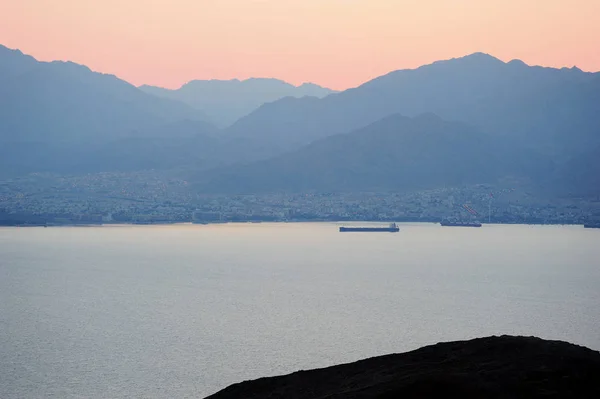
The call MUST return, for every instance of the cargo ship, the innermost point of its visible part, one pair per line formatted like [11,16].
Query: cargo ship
[392,228]
[459,224]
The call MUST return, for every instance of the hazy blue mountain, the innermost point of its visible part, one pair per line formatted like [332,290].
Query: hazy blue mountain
[183,146]
[185,153]
[580,175]
[62,117]
[63,101]
[396,153]
[14,62]
[225,101]
[550,109]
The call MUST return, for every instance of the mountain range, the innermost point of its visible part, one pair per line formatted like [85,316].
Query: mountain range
[467,120]
[396,153]
[62,117]
[549,109]
[225,101]
[67,102]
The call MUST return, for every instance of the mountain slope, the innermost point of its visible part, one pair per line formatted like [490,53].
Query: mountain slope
[63,101]
[491,367]
[580,175]
[184,145]
[396,153]
[550,109]
[225,101]
[14,62]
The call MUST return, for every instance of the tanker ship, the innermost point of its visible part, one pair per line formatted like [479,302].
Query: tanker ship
[392,228]
[459,223]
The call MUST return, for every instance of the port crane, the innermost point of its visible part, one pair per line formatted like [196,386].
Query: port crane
[470,210]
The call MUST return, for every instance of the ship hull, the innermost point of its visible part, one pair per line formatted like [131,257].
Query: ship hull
[450,224]
[369,229]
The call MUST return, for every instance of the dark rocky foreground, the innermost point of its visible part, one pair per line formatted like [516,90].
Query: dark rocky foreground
[492,367]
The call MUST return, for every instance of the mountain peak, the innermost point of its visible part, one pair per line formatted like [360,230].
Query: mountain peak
[480,58]
[516,62]
[14,53]
[475,60]
[310,84]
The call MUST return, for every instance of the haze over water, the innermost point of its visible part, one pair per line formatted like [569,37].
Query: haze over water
[183,311]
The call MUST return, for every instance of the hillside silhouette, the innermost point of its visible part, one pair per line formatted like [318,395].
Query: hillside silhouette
[492,367]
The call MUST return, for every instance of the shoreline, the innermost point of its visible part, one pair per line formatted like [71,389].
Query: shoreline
[121,224]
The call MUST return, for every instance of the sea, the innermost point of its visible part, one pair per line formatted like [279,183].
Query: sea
[182,311]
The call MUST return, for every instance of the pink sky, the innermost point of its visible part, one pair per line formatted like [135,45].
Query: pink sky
[336,43]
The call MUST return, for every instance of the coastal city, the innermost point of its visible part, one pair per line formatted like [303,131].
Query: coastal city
[154,197]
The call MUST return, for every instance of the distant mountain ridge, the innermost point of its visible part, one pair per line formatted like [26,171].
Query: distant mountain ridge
[225,101]
[14,62]
[63,101]
[396,153]
[551,109]
[532,123]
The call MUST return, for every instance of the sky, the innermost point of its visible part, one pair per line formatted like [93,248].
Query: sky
[335,43]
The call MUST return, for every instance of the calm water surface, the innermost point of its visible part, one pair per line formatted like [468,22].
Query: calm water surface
[183,311]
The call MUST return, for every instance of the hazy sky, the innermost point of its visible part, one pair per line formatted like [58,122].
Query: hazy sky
[337,43]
